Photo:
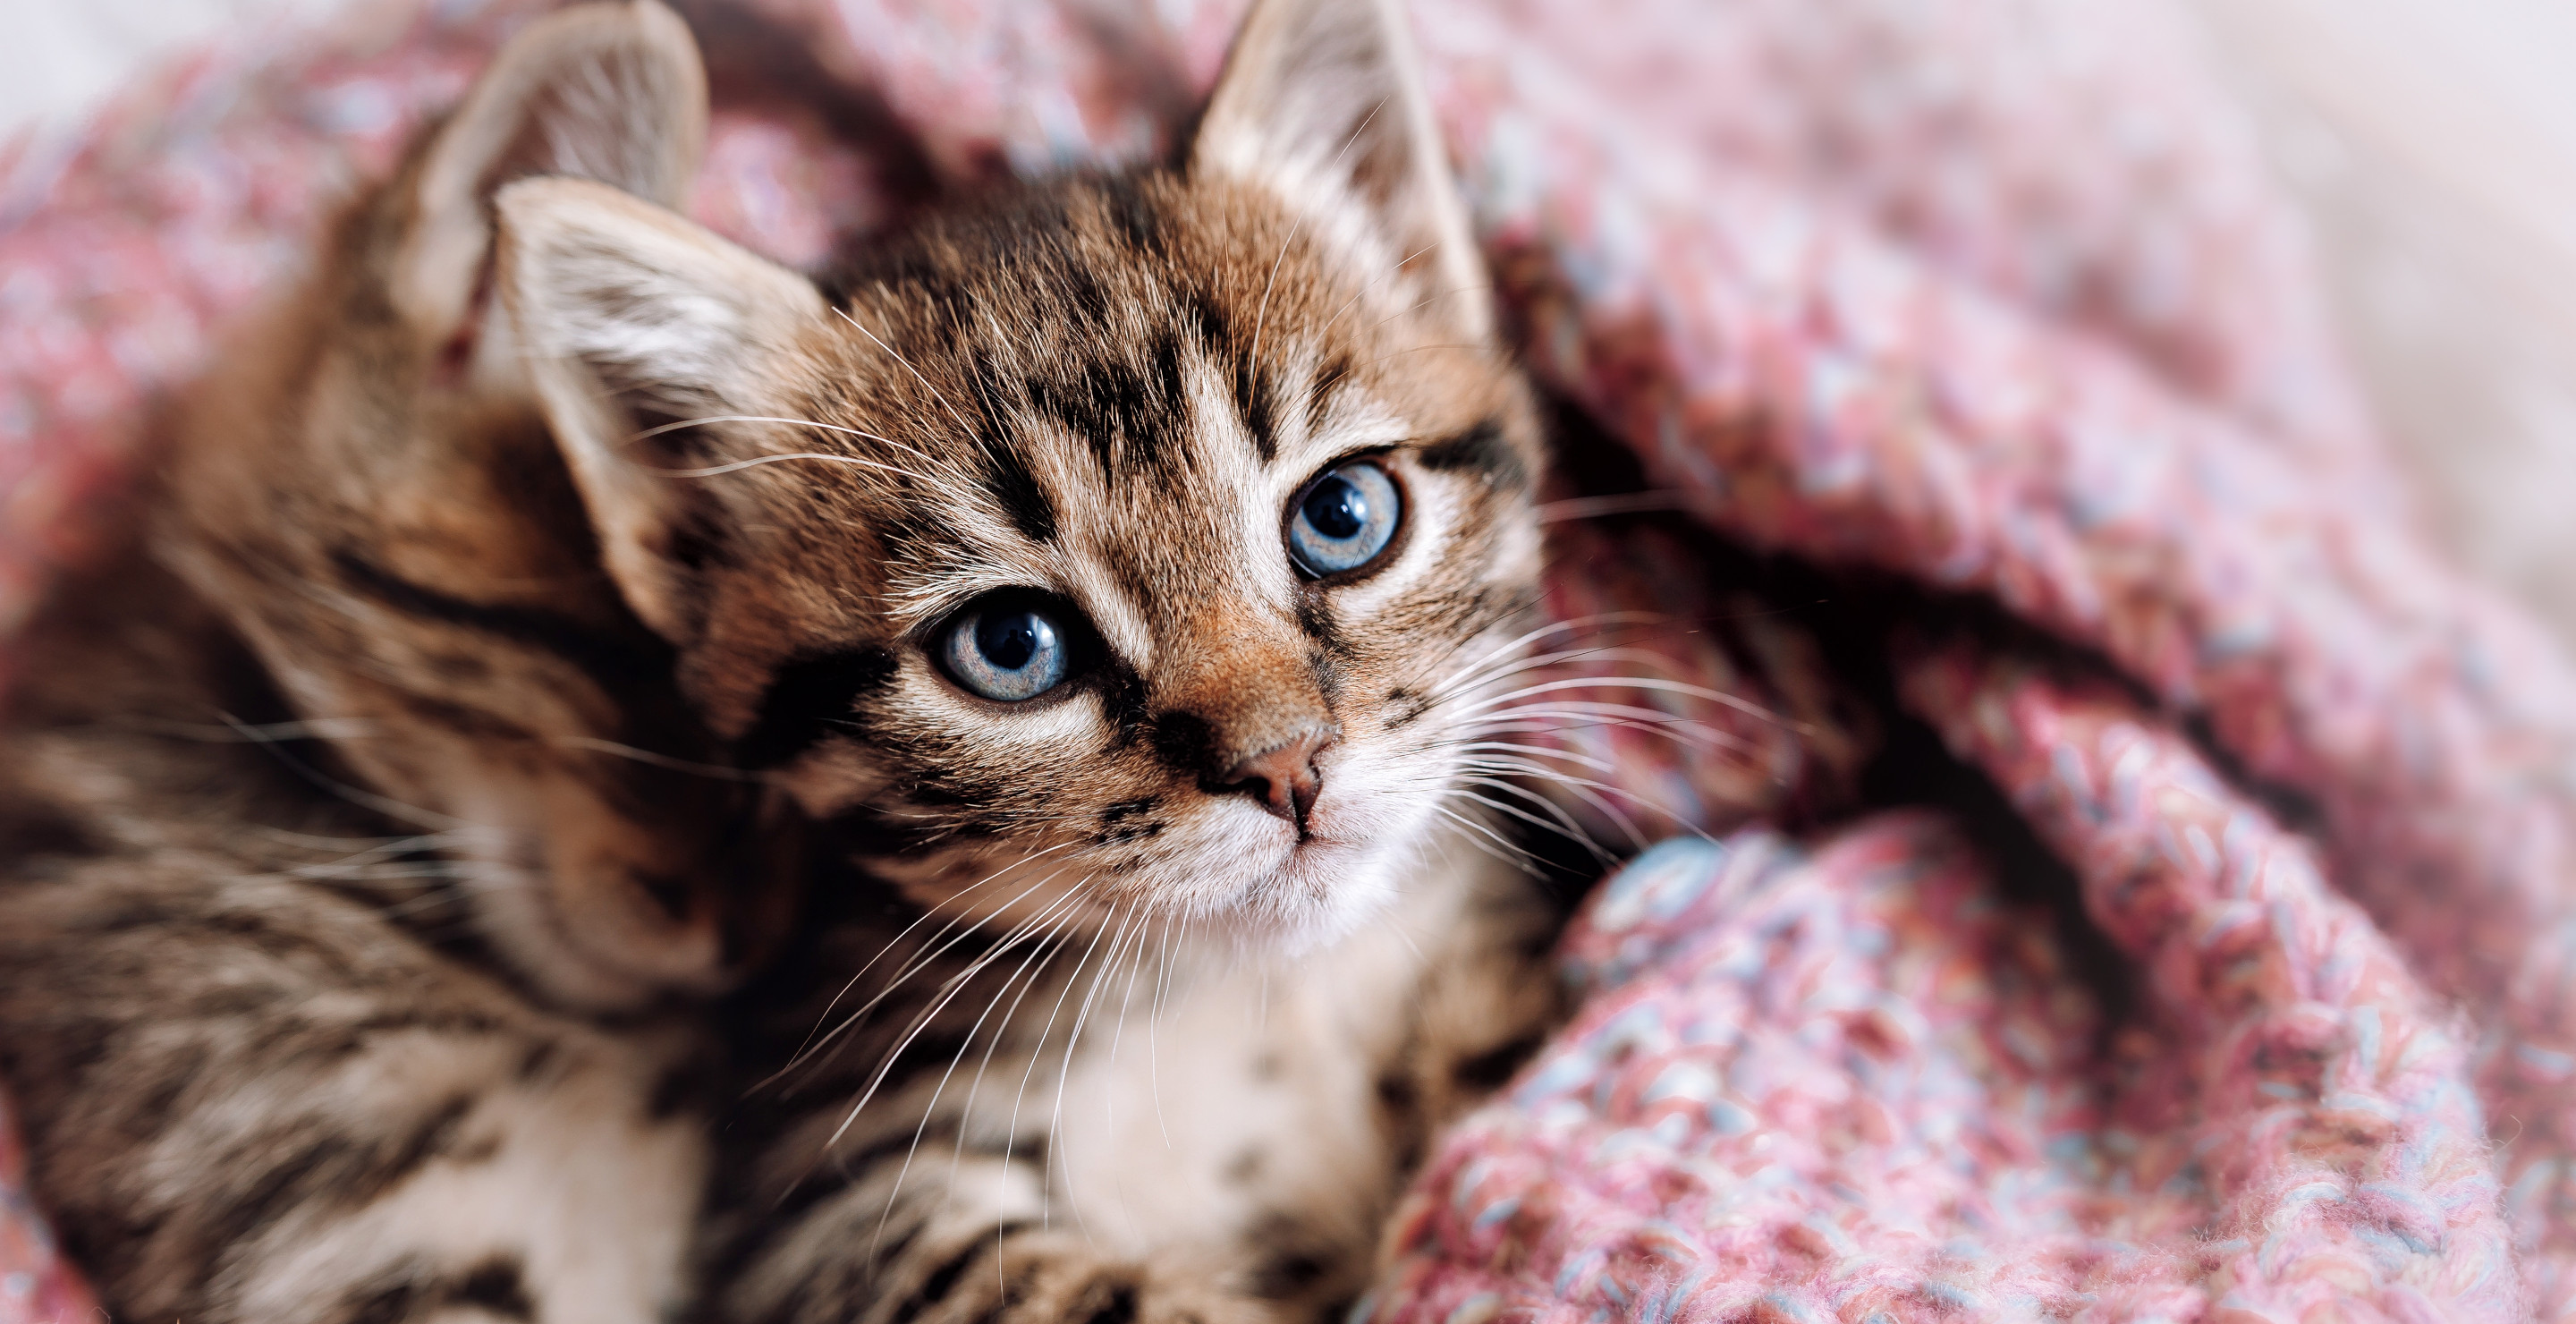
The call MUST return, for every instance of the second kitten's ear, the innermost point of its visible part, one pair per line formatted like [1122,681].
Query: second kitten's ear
[1322,102]
[613,92]
[629,316]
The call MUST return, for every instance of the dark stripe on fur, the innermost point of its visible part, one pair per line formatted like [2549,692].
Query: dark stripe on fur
[1130,820]
[496,1286]
[875,832]
[1319,393]
[1253,400]
[1315,617]
[32,828]
[942,1278]
[335,1169]
[807,698]
[1139,222]
[1132,415]
[1480,449]
[917,530]
[1288,1256]
[1186,744]
[1259,406]
[620,658]
[1122,701]
[1109,1299]
[1023,498]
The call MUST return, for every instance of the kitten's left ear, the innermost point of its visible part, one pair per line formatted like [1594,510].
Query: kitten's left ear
[610,91]
[629,315]
[1322,103]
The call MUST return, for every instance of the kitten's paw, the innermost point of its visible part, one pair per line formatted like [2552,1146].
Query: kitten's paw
[1038,1277]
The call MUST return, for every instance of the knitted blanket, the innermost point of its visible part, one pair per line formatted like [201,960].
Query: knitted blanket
[1985,297]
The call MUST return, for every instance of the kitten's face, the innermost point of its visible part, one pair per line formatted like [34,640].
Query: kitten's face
[1114,552]
[1163,619]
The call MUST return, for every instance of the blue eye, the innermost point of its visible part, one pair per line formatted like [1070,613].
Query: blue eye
[1344,519]
[1006,652]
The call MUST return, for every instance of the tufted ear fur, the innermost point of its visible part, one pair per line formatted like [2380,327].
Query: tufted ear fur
[611,92]
[1322,103]
[630,316]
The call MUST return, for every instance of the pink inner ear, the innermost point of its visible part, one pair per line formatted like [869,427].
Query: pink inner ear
[456,356]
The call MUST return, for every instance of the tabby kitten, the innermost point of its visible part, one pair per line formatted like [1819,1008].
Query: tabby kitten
[1074,622]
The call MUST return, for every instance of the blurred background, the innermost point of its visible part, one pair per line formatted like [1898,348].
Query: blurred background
[2432,144]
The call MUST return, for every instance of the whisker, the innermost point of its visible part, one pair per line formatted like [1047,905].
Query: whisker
[1117,1036]
[1609,799]
[964,428]
[1153,1025]
[1630,716]
[1622,503]
[930,1109]
[1405,936]
[1505,651]
[1587,790]
[1434,297]
[1591,791]
[1655,683]
[1599,653]
[1052,946]
[715,470]
[595,745]
[1126,1000]
[1036,1055]
[1527,860]
[1558,821]
[1011,1120]
[381,873]
[1072,1041]
[1262,312]
[1585,715]
[813,1045]
[362,845]
[1599,765]
[1620,715]
[760,418]
[932,948]
[948,993]
[1422,349]
[943,486]
[364,799]
[1373,283]
[373,849]
[319,728]
[1034,970]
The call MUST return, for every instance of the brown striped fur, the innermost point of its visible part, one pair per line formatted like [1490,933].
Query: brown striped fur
[532,637]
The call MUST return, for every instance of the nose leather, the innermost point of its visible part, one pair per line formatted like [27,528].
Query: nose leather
[1283,777]
[1242,712]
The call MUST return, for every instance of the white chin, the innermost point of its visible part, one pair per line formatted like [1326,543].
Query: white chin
[1296,896]
[1324,890]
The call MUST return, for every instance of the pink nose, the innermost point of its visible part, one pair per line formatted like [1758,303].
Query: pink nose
[1283,777]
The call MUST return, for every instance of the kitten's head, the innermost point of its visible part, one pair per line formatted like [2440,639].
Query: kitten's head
[1115,549]
[369,491]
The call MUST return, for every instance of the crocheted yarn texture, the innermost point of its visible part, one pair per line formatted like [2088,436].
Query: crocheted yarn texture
[1988,294]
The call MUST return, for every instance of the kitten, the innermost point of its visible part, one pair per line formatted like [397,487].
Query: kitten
[1107,565]
[341,801]
[1039,665]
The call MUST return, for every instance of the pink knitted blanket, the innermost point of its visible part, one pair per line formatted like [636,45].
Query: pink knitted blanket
[1989,295]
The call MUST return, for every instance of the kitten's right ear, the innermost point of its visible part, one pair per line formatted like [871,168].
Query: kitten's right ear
[1322,103]
[628,315]
[613,92]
